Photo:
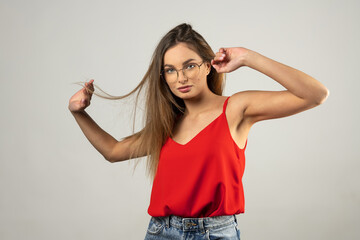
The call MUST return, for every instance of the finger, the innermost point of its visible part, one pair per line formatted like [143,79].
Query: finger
[88,88]
[91,86]
[217,68]
[218,59]
[91,83]
[86,92]
[214,63]
[220,56]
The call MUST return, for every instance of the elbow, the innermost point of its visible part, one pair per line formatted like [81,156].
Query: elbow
[322,96]
[113,159]
[109,157]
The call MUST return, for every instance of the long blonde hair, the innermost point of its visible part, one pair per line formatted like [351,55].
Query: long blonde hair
[161,105]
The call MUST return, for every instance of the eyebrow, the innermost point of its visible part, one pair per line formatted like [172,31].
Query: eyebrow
[187,61]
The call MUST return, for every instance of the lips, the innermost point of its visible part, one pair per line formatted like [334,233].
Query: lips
[184,87]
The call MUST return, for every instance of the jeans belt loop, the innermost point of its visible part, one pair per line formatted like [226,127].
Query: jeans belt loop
[167,221]
[235,219]
[202,225]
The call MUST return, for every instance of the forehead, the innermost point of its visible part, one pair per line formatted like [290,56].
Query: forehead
[179,54]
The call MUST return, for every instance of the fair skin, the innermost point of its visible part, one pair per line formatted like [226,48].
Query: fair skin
[108,146]
[202,106]
[244,108]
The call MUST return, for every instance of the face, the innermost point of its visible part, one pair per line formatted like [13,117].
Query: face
[182,57]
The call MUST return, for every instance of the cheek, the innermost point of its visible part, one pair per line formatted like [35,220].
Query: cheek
[202,78]
[171,85]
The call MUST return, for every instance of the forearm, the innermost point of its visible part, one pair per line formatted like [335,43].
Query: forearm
[101,140]
[297,82]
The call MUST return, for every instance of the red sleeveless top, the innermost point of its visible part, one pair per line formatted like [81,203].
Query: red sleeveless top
[202,178]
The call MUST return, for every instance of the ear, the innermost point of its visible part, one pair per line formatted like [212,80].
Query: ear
[208,67]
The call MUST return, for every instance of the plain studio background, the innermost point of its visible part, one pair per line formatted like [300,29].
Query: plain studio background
[302,175]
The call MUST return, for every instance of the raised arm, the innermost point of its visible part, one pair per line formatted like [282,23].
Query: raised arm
[303,92]
[109,147]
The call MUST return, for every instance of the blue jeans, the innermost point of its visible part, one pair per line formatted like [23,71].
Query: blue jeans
[175,227]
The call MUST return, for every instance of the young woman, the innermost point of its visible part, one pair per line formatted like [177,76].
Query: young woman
[193,136]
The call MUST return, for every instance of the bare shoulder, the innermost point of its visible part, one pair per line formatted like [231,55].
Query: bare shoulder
[236,107]
[239,126]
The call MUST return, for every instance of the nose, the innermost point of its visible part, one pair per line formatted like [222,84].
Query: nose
[181,76]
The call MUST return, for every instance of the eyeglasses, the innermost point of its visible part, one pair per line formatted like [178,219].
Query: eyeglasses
[190,71]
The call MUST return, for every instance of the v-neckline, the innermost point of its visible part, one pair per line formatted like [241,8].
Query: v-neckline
[196,135]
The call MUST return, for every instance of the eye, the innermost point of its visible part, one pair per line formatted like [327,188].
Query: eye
[190,66]
[169,70]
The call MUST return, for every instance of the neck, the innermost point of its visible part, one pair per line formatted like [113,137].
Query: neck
[200,103]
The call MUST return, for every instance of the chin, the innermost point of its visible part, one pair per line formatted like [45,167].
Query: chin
[186,96]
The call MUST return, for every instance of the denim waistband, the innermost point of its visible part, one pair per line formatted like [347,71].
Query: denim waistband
[196,224]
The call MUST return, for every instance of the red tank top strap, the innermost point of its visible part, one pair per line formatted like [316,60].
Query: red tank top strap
[225,104]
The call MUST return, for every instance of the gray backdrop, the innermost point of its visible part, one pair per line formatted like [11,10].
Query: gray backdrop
[301,179]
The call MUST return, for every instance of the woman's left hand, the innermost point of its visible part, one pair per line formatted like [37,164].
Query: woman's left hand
[229,59]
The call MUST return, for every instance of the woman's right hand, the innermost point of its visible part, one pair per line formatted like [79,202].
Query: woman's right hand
[81,100]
